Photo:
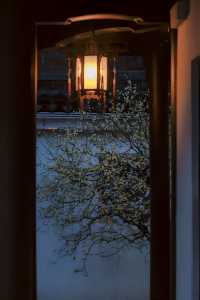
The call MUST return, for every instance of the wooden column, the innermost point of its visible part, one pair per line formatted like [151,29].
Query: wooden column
[195,79]
[173,98]
[17,155]
[160,202]
[82,104]
[114,83]
[69,80]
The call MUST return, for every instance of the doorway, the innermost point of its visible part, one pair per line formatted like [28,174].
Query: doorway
[148,173]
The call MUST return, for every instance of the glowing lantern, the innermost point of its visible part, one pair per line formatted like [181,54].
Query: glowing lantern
[91,75]
[90,72]
[91,78]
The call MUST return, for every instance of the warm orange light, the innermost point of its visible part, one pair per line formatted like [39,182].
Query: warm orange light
[90,72]
[87,76]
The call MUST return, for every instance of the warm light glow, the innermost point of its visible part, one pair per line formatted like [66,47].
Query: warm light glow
[103,73]
[90,72]
[78,74]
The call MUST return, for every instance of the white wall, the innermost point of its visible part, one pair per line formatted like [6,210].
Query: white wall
[188,49]
[124,277]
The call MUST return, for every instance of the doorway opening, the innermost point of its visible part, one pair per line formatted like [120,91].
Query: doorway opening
[99,187]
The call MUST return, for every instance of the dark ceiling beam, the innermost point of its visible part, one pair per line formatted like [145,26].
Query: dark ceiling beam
[78,28]
[49,10]
[110,31]
[94,17]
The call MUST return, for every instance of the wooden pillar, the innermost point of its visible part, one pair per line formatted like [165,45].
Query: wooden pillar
[17,155]
[114,83]
[195,79]
[82,102]
[173,40]
[160,202]
[35,71]
[69,80]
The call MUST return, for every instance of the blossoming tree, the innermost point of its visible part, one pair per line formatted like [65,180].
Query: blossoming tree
[95,189]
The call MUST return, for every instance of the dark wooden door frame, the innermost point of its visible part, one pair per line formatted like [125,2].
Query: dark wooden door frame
[195,79]
[18,246]
[158,67]
[157,58]
[173,111]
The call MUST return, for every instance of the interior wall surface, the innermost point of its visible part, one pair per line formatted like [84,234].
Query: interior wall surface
[188,48]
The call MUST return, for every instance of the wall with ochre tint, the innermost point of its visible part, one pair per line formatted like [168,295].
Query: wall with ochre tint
[188,49]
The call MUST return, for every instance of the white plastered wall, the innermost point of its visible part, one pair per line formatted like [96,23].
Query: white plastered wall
[188,48]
